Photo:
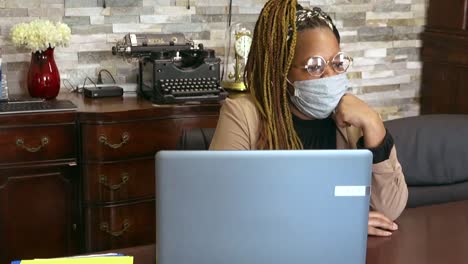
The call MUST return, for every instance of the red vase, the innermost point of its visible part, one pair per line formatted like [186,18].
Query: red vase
[43,75]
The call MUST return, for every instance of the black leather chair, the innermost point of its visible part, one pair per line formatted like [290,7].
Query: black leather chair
[432,149]
[195,139]
[433,152]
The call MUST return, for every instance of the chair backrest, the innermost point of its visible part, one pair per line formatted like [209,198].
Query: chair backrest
[433,152]
[432,149]
[195,139]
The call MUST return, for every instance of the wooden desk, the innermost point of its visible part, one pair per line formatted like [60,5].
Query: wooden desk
[82,181]
[432,234]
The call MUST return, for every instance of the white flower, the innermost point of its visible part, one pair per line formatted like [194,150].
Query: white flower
[38,35]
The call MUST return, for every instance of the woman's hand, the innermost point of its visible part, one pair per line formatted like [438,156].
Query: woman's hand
[353,111]
[380,225]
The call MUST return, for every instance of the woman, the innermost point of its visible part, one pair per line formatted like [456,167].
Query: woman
[296,76]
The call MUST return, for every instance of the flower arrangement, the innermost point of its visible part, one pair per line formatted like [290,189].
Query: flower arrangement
[39,35]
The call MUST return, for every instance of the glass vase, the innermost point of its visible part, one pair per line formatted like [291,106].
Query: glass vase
[43,75]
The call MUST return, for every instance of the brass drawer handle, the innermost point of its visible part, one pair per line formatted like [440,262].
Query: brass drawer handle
[105,228]
[20,144]
[125,138]
[115,187]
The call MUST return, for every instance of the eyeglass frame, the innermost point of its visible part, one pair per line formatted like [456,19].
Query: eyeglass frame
[327,62]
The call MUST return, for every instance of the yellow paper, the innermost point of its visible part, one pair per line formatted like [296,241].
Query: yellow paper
[83,260]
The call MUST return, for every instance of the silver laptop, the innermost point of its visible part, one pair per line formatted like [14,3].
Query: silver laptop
[262,207]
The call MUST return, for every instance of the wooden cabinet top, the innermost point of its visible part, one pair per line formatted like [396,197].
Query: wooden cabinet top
[110,109]
[133,108]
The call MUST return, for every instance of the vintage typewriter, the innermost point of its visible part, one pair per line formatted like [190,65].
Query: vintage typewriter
[172,70]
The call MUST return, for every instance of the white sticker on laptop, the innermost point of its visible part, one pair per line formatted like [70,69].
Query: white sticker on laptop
[349,191]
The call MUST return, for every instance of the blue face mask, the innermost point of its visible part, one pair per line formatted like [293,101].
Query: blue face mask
[318,98]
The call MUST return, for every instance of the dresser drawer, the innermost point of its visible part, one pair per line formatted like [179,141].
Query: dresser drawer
[37,144]
[117,181]
[120,226]
[136,139]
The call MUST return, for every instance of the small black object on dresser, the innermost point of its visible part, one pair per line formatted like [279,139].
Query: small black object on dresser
[99,92]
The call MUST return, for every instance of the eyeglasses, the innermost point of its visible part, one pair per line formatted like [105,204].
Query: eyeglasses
[316,64]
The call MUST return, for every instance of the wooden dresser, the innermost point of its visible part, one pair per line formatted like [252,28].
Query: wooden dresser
[91,187]
[445,58]
[39,181]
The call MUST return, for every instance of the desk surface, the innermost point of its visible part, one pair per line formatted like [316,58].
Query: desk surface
[431,234]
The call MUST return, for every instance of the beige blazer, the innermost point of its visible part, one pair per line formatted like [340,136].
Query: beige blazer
[237,129]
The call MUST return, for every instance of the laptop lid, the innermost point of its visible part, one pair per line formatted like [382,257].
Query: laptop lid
[251,207]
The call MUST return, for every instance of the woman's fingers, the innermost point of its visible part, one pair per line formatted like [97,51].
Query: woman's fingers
[372,231]
[380,220]
[380,225]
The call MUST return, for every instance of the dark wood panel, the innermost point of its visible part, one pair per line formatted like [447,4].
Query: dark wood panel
[445,58]
[34,119]
[445,47]
[435,95]
[136,139]
[461,97]
[38,143]
[38,213]
[117,226]
[445,89]
[447,14]
[118,181]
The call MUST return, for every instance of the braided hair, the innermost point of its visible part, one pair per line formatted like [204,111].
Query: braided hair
[269,61]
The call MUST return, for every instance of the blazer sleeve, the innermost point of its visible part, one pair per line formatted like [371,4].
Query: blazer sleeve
[389,192]
[232,131]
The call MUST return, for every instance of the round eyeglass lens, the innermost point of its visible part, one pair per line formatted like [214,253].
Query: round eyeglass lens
[340,63]
[316,66]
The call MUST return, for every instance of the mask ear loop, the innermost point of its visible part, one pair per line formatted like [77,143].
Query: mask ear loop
[287,90]
[290,83]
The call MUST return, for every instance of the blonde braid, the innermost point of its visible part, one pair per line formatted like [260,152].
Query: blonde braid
[266,70]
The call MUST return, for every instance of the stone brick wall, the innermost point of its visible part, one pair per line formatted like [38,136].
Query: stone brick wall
[381,35]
